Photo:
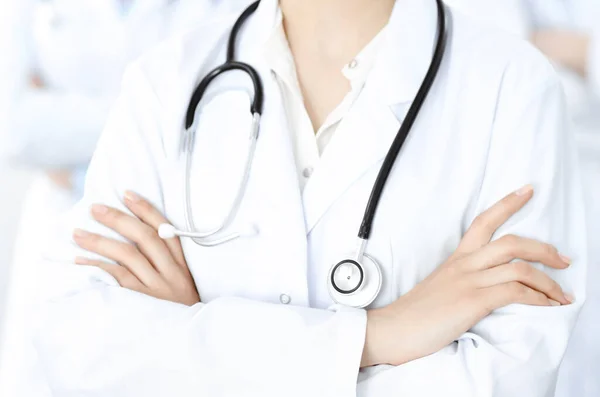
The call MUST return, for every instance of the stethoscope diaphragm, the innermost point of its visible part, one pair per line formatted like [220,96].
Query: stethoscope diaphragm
[355,283]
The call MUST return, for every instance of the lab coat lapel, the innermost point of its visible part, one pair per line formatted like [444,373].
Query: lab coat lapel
[364,136]
[361,141]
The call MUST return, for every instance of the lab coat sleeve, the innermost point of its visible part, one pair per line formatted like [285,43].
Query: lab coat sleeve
[515,351]
[95,338]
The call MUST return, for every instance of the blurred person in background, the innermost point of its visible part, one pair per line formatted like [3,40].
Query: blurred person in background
[62,68]
[71,57]
[568,33]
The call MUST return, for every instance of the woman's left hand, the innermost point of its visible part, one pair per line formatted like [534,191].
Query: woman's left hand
[149,264]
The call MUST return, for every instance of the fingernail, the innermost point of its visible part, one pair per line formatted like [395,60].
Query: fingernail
[99,209]
[570,298]
[80,233]
[553,302]
[565,259]
[524,190]
[131,197]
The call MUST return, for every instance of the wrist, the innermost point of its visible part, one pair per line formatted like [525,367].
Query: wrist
[373,351]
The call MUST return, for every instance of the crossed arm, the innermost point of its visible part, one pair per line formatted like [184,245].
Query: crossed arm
[479,278]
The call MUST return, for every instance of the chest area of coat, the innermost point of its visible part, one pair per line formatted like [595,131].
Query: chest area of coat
[302,234]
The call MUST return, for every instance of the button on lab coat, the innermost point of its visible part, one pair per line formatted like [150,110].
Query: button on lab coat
[494,122]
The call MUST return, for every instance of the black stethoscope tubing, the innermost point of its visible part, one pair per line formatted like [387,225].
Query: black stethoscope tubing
[411,116]
[230,64]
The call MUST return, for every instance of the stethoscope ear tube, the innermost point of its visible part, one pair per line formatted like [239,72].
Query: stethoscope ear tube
[236,29]
[257,102]
[209,238]
[230,64]
[202,238]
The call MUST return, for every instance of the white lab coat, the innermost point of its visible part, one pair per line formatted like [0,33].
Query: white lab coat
[495,121]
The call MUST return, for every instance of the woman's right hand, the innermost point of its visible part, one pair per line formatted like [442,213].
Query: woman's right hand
[480,277]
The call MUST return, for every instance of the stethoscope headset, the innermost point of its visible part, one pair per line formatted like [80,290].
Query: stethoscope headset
[355,281]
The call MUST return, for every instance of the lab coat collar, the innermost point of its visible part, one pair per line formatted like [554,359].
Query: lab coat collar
[407,50]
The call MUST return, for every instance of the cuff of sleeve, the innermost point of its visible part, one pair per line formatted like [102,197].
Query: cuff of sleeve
[349,348]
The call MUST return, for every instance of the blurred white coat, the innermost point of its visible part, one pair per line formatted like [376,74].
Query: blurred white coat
[522,17]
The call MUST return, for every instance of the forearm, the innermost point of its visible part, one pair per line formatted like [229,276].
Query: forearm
[475,366]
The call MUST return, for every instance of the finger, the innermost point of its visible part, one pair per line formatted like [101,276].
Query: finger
[510,247]
[124,277]
[133,229]
[151,216]
[485,225]
[526,274]
[502,295]
[125,254]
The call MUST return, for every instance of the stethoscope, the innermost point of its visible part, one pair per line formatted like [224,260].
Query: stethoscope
[355,281]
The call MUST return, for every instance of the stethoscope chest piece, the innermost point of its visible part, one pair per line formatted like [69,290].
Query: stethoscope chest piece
[355,283]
